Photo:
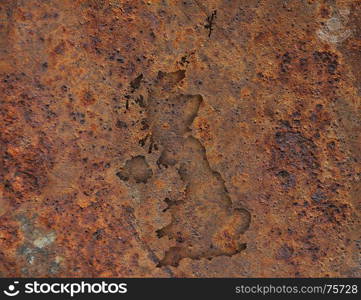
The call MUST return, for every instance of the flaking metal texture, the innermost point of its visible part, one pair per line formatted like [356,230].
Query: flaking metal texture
[180,138]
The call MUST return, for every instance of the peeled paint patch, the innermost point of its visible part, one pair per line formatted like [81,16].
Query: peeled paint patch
[45,241]
[335,29]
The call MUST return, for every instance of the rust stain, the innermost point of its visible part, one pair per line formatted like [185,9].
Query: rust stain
[180,138]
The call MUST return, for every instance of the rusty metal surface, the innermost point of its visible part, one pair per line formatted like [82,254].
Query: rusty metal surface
[180,138]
